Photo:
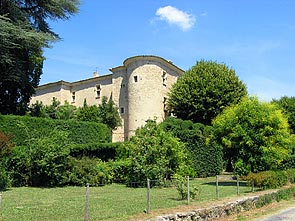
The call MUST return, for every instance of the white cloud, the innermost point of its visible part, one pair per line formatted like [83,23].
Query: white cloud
[175,16]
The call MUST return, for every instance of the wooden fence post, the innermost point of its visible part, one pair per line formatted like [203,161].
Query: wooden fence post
[252,182]
[217,191]
[87,203]
[148,196]
[238,186]
[188,191]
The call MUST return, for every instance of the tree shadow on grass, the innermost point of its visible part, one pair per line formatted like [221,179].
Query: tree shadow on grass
[226,183]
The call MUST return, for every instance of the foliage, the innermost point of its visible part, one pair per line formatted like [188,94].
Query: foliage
[255,136]
[154,154]
[66,111]
[5,148]
[287,104]
[103,151]
[204,91]
[89,170]
[182,188]
[205,155]
[42,162]
[5,144]
[24,33]
[88,113]
[4,178]
[108,113]
[268,179]
[24,127]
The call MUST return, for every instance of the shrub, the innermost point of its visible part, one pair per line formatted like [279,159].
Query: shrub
[103,151]
[268,179]
[42,162]
[24,127]
[4,179]
[89,170]
[182,188]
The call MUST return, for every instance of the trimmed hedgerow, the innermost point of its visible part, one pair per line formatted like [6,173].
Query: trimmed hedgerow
[271,179]
[103,151]
[24,127]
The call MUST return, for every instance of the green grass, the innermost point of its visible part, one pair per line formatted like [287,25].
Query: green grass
[112,202]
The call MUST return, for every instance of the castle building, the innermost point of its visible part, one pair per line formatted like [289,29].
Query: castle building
[139,88]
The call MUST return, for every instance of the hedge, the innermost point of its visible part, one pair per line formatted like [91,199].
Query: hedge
[271,179]
[103,151]
[24,127]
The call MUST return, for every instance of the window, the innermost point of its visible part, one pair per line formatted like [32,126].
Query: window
[135,78]
[98,90]
[122,110]
[73,97]
[164,78]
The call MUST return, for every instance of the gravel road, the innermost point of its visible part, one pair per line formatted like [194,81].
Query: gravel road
[288,214]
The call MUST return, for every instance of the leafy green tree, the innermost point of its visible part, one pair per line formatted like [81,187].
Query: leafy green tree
[287,104]
[66,111]
[108,113]
[255,136]
[88,113]
[24,33]
[155,154]
[204,91]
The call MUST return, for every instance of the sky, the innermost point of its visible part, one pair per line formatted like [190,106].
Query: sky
[255,38]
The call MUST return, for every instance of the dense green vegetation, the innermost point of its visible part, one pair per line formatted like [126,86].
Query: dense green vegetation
[204,91]
[24,128]
[255,136]
[105,113]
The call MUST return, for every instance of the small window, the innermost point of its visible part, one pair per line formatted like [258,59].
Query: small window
[73,97]
[164,78]
[135,78]
[122,110]
[98,90]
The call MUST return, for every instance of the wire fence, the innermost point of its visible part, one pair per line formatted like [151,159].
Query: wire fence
[187,190]
[110,201]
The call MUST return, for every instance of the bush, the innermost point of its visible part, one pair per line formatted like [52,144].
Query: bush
[182,189]
[4,179]
[24,127]
[121,169]
[268,179]
[89,170]
[42,162]
[103,151]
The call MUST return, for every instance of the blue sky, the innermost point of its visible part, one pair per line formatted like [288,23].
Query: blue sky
[256,38]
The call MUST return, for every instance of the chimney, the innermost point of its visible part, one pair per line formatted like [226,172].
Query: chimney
[95,74]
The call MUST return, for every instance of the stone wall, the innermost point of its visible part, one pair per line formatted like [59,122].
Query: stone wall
[223,210]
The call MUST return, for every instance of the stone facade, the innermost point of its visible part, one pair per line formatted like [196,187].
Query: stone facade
[139,88]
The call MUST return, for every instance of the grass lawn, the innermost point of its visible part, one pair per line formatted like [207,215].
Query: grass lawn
[111,202]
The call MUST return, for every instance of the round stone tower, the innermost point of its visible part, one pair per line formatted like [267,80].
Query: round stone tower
[145,82]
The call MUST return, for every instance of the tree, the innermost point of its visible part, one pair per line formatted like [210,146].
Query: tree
[287,104]
[108,113]
[204,91]
[24,33]
[155,154]
[255,136]
[88,113]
